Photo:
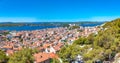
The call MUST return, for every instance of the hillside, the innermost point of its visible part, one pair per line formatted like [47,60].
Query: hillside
[95,48]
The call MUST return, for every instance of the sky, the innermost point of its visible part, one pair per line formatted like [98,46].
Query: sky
[58,10]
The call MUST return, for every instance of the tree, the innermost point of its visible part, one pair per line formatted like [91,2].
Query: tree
[54,60]
[23,56]
[81,41]
[69,53]
[3,56]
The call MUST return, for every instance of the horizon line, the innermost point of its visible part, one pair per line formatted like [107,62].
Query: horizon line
[51,21]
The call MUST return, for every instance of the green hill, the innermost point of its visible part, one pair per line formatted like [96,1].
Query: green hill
[103,46]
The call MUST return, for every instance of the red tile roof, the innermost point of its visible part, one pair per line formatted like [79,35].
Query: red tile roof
[41,57]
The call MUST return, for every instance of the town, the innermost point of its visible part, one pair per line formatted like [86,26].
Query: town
[46,41]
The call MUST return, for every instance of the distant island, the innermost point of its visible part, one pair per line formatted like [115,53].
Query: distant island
[62,24]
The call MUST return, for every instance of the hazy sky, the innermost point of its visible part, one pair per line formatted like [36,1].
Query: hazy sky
[58,10]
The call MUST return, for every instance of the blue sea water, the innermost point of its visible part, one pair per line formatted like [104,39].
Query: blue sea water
[29,28]
[91,25]
[23,28]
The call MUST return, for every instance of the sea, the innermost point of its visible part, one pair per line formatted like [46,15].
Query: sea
[30,28]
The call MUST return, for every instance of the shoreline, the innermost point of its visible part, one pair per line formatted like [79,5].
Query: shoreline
[30,28]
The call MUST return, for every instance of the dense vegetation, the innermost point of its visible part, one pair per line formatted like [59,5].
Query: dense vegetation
[23,56]
[102,46]
[3,57]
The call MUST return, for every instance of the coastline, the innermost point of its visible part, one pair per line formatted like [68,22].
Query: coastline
[30,28]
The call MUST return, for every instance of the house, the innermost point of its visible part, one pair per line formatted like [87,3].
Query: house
[9,52]
[42,58]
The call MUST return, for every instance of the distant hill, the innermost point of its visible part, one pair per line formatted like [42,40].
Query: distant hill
[3,24]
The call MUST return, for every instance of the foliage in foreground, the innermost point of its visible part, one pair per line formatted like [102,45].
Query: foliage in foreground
[3,56]
[23,56]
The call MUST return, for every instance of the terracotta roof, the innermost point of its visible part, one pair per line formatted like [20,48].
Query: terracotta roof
[7,46]
[57,48]
[53,55]
[10,52]
[40,57]
[46,45]
[40,48]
